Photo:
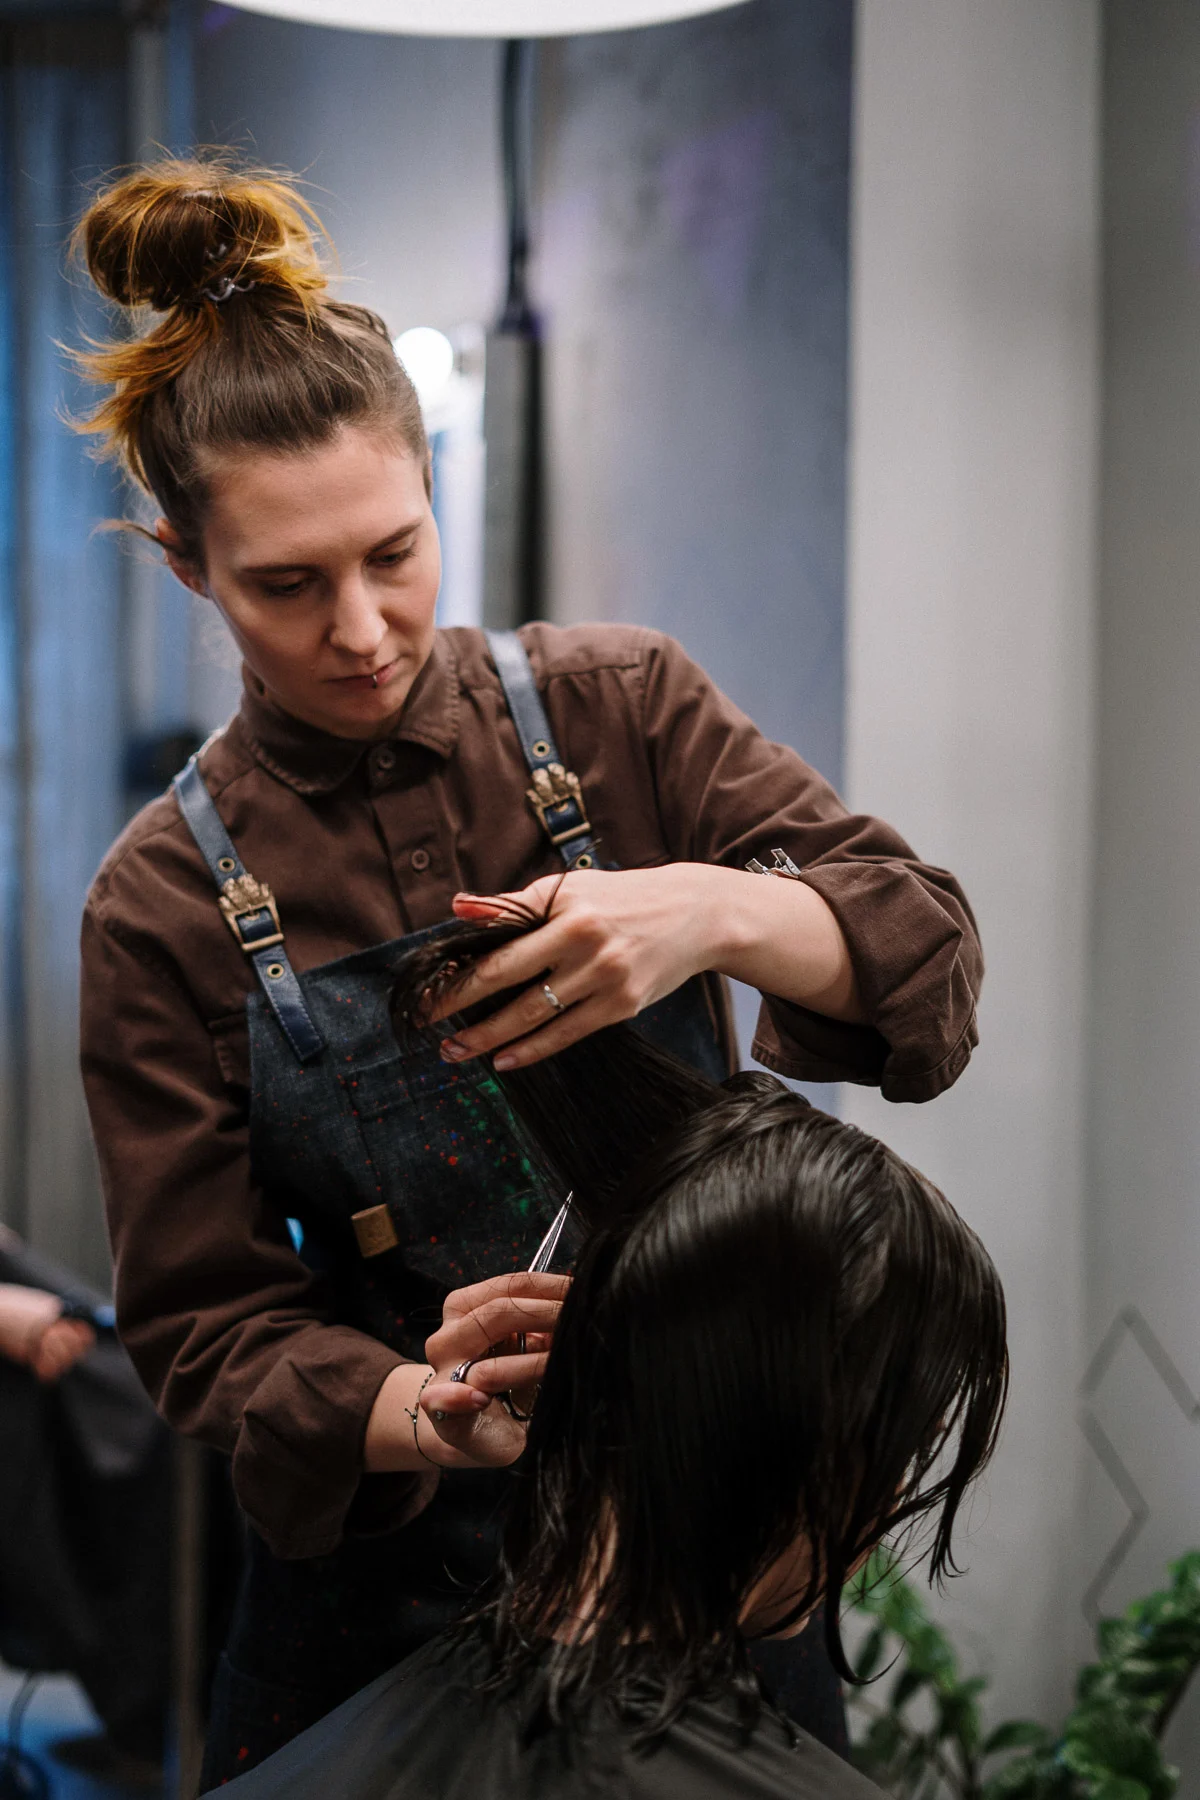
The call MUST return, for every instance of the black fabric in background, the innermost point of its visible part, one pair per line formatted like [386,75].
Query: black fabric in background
[86,1473]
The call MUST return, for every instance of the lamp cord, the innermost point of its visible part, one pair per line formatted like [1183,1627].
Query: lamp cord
[516,156]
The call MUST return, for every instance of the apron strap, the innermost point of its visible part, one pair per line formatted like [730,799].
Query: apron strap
[556,796]
[250,912]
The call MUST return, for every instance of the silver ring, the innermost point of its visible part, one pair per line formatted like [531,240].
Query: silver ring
[464,1368]
[553,998]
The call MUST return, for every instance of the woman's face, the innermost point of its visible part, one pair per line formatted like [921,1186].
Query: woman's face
[326,565]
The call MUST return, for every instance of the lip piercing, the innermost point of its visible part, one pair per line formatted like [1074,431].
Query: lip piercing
[374,680]
[552,998]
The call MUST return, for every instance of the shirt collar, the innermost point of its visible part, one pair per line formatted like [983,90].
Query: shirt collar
[312,761]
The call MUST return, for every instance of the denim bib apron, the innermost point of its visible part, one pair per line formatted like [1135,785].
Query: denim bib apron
[407,1177]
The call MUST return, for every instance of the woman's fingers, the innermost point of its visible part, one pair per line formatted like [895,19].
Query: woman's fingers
[502,1329]
[497,1374]
[511,966]
[566,1028]
[26,1314]
[474,1335]
[520,1284]
[61,1346]
[485,1379]
[446,1399]
[531,1010]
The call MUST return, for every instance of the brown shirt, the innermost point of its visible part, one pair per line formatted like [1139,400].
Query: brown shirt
[361,843]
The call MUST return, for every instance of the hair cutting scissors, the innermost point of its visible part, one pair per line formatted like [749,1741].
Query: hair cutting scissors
[543,1256]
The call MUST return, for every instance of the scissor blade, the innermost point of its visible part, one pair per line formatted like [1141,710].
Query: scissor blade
[549,1244]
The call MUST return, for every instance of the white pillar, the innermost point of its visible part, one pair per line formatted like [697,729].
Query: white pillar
[973,450]
[1145,1140]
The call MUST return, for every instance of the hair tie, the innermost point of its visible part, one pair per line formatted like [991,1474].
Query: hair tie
[226,286]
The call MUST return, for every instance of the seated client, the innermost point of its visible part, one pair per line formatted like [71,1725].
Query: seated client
[781,1344]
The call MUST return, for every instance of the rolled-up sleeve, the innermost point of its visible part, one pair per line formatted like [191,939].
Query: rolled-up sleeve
[726,794]
[232,1335]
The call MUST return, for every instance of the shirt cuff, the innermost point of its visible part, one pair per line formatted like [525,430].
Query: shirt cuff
[298,1462]
[917,965]
[806,1046]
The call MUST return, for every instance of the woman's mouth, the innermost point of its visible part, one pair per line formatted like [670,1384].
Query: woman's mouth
[365,684]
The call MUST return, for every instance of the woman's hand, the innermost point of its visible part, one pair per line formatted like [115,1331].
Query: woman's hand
[616,941]
[34,1333]
[480,1326]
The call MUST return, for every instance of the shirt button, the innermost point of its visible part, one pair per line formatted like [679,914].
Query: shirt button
[384,759]
[420,861]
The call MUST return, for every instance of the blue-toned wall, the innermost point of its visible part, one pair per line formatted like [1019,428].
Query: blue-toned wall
[61,677]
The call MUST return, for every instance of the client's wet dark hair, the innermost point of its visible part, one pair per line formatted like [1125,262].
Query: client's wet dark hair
[777,1329]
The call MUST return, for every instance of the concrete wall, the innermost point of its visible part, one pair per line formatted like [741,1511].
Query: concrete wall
[973,446]
[693,272]
[1145,1169]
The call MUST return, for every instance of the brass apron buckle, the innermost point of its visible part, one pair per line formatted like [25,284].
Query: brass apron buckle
[249,906]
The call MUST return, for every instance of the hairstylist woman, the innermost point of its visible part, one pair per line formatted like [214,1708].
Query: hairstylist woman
[238,1055]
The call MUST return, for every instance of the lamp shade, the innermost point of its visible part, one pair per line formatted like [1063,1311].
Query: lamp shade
[486,18]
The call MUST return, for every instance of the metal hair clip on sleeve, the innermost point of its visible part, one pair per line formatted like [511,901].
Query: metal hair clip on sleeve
[783,866]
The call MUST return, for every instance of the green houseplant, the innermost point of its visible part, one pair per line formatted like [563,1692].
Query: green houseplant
[926,1739]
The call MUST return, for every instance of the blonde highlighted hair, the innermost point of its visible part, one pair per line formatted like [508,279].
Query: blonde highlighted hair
[251,350]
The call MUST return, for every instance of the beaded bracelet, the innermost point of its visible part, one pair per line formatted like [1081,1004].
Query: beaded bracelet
[414,1413]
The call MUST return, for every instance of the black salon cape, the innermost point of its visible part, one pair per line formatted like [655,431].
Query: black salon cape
[425,1731]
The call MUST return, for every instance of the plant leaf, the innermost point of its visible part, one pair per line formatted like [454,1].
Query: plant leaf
[906,1684]
[1029,1778]
[871,1654]
[1016,1734]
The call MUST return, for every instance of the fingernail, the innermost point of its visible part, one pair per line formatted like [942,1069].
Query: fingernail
[504,1062]
[453,1051]
[479,1401]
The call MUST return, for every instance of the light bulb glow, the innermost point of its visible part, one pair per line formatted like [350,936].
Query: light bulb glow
[428,358]
[486,18]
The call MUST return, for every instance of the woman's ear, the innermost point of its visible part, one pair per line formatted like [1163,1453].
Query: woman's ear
[180,565]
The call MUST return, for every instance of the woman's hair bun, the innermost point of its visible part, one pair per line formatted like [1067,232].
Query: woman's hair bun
[192,232]
[245,346]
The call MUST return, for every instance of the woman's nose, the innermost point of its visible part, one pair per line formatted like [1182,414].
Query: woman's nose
[358,627]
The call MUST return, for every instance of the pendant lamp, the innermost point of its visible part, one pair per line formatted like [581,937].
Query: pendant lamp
[486,18]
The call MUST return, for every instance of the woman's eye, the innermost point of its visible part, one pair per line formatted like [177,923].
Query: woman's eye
[285,590]
[391,559]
